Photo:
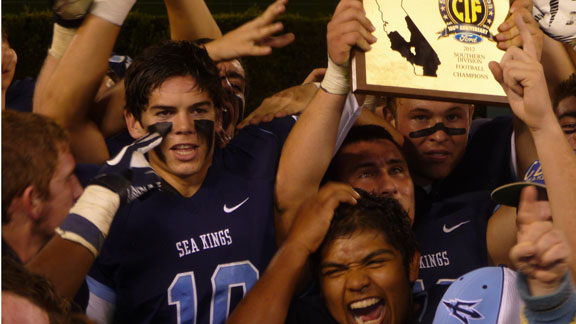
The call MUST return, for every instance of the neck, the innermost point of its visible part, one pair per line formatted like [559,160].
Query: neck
[186,186]
[421,181]
[22,240]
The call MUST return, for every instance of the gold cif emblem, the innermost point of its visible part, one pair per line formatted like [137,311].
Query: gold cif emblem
[468,20]
[468,12]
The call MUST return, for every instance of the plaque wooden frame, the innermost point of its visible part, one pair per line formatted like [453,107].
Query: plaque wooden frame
[362,68]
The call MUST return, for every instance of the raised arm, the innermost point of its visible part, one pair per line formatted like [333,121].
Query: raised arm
[191,20]
[268,301]
[310,145]
[67,93]
[522,78]
[254,38]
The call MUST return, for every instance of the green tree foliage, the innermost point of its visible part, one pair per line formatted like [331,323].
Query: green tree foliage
[30,33]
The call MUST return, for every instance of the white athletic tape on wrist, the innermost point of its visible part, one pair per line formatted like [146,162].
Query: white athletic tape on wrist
[114,11]
[337,78]
[89,220]
[61,40]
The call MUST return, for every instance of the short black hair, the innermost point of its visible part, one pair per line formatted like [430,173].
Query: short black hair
[565,89]
[163,61]
[372,213]
[362,133]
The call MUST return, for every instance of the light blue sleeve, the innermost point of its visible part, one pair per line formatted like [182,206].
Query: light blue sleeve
[557,308]
[101,302]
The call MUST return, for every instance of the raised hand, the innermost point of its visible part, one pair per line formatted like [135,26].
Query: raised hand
[509,32]
[522,77]
[254,38]
[348,28]
[542,253]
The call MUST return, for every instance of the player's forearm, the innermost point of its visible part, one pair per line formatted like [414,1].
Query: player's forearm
[500,235]
[308,150]
[73,85]
[559,167]
[269,300]
[64,263]
[191,20]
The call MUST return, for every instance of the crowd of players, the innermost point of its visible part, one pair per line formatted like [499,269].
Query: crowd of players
[319,206]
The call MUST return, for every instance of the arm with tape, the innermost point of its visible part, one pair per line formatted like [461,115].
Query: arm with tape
[68,256]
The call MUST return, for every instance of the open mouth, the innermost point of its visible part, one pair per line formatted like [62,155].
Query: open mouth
[185,151]
[368,311]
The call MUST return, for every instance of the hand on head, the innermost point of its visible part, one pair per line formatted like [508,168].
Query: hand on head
[314,215]
[284,103]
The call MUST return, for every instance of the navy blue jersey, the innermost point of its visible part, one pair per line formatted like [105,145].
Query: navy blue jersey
[486,165]
[452,219]
[171,259]
[451,236]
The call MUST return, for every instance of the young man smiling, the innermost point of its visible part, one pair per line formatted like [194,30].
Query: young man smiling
[212,223]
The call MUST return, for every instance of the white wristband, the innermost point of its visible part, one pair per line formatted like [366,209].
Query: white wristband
[337,78]
[61,40]
[114,11]
[89,220]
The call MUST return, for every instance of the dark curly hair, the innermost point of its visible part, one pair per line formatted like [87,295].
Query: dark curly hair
[372,213]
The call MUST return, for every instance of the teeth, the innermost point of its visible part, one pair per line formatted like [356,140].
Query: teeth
[184,147]
[364,303]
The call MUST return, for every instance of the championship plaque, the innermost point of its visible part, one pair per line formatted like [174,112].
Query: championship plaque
[432,49]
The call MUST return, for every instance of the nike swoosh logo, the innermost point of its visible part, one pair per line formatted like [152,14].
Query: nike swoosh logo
[450,229]
[228,210]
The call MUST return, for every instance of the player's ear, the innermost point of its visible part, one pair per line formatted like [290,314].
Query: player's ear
[134,126]
[414,266]
[471,115]
[31,202]
[218,118]
[389,116]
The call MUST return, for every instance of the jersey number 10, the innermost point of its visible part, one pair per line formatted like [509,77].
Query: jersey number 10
[182,291]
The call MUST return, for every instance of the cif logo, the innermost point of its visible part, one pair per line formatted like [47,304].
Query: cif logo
[468,12]
[468,20]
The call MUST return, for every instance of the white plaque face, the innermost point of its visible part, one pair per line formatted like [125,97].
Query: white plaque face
[435,49]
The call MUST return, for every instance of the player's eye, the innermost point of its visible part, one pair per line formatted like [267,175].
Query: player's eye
[333,272]
[376,263]
[453,117]
[199,111]
[569,128]
[396,170]
[364,175]
[163,113]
